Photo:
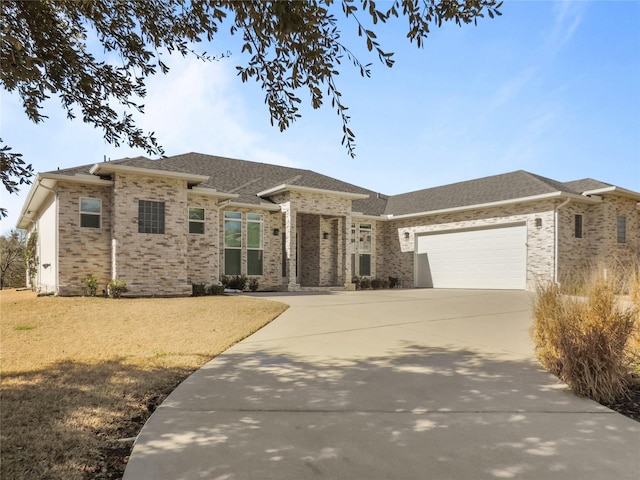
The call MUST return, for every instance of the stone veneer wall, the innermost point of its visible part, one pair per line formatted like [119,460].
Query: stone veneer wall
[601,234]
[151,264]
[399,252]
[203,255]
[324,261]
[82,251]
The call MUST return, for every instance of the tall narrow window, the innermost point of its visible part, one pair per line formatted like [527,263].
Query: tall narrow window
[90,212]
[577,221]
[196,220]
[353,250]
[365,249]
[150,216]
[232,243]
[254,244]
[622,229]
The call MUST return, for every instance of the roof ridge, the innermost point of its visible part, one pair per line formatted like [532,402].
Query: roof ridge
[560,186]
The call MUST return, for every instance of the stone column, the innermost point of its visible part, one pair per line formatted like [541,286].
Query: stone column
[291,246]
[346,253]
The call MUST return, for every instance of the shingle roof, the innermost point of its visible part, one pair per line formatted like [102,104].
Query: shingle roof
[586,184]
[247,178]
[507,186]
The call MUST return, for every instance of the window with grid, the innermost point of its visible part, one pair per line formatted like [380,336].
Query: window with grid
[196,220]
[365,233]
[577,221]
[150,216]
[90,212]
[254,244]
[232,243]
[621,227]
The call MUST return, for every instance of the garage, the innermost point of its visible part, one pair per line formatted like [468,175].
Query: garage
[491,258]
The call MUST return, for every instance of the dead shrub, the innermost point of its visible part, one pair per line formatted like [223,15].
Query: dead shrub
[587,341]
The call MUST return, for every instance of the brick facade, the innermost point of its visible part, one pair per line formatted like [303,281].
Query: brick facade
[163,264]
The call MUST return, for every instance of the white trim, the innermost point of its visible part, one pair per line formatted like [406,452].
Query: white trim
[613,189]
[533,198]
[203,221]
[212,192]
[109,167]
[260,206]
[297,188]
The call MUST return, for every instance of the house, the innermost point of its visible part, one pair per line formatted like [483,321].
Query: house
[162,225]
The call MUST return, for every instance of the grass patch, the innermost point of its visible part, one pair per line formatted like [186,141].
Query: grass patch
[23,328]
[591,340]
[94,368]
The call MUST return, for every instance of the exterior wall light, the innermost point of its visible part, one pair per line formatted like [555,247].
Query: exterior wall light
[538,223]
[276,232]
[325,235]
[407,235]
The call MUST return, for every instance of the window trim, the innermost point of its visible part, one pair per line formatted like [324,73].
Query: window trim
[196,221]
[95,214]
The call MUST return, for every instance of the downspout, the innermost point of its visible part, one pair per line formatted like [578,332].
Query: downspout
[556,219]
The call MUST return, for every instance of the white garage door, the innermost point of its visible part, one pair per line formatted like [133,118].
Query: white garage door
[487,258]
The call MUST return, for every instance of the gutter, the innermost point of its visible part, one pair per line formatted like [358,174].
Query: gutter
[556,238]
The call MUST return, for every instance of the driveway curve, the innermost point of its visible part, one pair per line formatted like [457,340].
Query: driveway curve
[393,384]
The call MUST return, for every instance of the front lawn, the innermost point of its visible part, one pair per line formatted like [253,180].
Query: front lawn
[80,376]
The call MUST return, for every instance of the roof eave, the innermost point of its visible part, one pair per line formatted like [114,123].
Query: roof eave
[623,192]
[271,207]
[298,188]
[212,192]
[532,198]
[109,167]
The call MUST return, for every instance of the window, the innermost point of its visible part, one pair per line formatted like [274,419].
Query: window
[196,220]
[622,229]
[232,243]
[365,250]
[254,244]
[577,220]
[90,212]
[150,216]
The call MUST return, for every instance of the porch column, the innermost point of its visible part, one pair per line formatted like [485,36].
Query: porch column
[346,253]
[291,247]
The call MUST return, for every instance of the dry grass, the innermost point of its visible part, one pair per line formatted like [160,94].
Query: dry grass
[591,341]
[80,374]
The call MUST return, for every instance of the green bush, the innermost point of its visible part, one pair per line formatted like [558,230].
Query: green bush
[198,289]
[215,290]
[254,284]
[117,288]
[91,283]
[585,341]
[234,282]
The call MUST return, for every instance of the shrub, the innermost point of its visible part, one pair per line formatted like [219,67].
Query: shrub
[198,289]
[356,282]
[91,283]
[234,282]
[585,341]
[117,288]
[365,283]
[215,290]
[254,284]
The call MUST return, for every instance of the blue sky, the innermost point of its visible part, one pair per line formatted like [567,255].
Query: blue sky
[550,87]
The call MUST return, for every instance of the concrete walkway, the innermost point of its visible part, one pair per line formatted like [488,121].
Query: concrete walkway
[394,384]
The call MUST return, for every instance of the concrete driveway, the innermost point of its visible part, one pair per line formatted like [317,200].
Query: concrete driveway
[394,384]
